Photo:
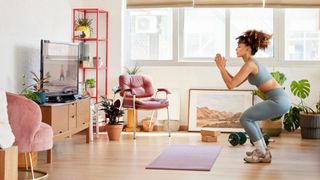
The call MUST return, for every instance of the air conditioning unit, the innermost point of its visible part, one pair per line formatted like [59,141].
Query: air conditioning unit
[146,24]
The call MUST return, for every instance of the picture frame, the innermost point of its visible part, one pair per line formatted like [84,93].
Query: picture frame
[217,109]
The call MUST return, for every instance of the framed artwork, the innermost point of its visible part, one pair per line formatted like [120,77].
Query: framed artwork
[218,109]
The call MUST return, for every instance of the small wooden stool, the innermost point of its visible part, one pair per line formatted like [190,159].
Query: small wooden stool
[9,163]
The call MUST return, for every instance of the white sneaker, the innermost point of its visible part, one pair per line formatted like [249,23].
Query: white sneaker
[249,153]
[257,157]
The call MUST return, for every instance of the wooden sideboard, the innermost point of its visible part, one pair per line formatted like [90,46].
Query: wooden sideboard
[66,119]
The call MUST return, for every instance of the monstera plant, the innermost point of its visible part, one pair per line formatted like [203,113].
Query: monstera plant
[301,114]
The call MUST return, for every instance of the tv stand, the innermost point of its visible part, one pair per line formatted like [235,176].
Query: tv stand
[61,99]
[67,119]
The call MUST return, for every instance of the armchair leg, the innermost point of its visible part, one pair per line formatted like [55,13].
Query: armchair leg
[43,174]
[151,118]
[134,117]
[168,122]
[26,160]
[31,166]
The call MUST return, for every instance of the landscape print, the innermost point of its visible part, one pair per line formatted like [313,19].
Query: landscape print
[220,109]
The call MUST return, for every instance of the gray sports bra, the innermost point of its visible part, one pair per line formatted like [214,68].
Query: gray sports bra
[261,77]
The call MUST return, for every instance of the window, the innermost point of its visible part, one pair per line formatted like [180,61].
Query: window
[151,34]
[244,19]
[197,34]
[204,32]
[302,34]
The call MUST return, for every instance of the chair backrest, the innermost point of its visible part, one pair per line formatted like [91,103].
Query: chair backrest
[24,118]
[140,85]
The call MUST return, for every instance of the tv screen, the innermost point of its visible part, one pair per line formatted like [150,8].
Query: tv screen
[59,62]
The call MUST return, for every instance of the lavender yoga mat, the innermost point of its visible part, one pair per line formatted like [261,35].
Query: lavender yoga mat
[186,157]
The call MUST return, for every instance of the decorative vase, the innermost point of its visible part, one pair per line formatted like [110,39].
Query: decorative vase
[114,131]
[271,128]
[130,122]
[84,31]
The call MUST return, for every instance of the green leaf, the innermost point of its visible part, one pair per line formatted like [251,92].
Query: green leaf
[301,88]
[134,70]
[259,94]
[291,120]
[279,77]
[116,89]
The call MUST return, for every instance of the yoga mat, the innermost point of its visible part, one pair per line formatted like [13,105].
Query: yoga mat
[186,157]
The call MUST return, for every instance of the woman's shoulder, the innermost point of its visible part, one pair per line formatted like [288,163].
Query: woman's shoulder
[251,63]
[252,66]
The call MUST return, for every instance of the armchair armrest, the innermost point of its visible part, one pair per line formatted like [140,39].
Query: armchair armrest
[165,90]
[123,91]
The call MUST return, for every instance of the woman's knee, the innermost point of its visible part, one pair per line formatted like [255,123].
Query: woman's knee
[244,118]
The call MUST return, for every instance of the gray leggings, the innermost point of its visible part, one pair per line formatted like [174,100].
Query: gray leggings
[276,104]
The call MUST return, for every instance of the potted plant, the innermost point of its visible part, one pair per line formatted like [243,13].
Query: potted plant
[134,70]
[113,111]
[301,114]
[272,127]
[83,25]
[91,86]
[35,91]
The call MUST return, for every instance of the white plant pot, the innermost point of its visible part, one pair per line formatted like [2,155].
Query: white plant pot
[92,92]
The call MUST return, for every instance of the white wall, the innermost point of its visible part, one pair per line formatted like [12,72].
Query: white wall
[23,25]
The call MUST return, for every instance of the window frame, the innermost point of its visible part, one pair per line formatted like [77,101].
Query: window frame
[278,59]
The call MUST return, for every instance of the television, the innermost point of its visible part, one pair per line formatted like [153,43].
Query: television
[60,62]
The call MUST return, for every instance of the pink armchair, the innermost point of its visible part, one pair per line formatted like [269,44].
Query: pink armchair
[30,133]
[137,92]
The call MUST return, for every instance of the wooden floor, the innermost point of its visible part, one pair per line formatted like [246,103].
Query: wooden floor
[293,158]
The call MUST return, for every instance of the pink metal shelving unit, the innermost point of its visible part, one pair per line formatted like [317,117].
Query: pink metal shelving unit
[99,40]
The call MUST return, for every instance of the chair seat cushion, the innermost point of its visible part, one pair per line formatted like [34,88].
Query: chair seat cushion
[148,104]
[43,140]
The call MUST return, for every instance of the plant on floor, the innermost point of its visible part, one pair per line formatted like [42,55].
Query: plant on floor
[112,108]
[300,89]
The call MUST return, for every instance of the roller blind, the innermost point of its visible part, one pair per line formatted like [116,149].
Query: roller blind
[228,3]
[292,3]
[158,3]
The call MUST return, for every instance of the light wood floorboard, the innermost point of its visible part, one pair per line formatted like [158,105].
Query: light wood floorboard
[293,158]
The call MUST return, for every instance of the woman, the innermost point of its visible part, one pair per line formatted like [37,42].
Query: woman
[277,102]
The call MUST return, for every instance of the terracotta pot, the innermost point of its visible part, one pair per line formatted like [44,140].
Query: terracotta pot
[271,128]
[114,131]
